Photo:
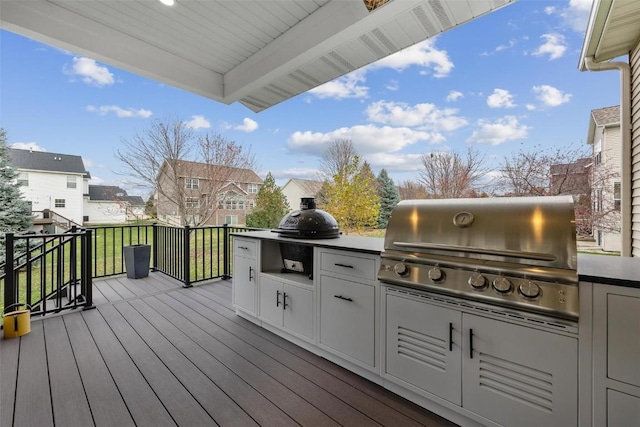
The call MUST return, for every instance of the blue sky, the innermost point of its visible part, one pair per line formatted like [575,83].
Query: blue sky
[505,82]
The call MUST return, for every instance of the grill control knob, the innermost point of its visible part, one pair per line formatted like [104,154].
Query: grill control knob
[401,269]
[478,281]
[502,285]
[529,289]
[436,275]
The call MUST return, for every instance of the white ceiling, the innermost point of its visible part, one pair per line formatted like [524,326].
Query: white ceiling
[257,52]
[613,30]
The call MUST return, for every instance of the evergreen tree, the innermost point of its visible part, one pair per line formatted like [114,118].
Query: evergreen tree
[15,213]
[271,205]
[389,197]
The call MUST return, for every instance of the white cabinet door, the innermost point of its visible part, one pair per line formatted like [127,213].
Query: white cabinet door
[271,300]
[623,338]
[347,318]
[298,311]
[518,376]
[424,346]
[623,410]
[244,283]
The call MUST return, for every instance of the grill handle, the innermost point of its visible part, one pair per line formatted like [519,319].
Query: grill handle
[481,251]
[343,298]
[450,336]
[470,343]
[343,265]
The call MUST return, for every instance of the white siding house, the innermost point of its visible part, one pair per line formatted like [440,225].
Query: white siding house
[112,204]
[295,189]
[51,182]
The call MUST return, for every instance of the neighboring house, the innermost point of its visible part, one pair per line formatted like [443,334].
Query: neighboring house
[614,31]
[212,194]
[574,179]
[51,182]
[295,189]
[111,204]
[604,137]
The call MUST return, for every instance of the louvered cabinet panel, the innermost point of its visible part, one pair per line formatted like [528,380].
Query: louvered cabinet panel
[519,376]
[424,346]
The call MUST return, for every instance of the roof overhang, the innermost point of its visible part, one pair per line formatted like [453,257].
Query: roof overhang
[257,52]
[613,30]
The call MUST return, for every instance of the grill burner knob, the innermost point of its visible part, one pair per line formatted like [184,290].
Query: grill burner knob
[529,289]
[401,269]
[436,275]
[478,281]
[502,285]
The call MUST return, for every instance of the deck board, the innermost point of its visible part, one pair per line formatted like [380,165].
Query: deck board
[154,353]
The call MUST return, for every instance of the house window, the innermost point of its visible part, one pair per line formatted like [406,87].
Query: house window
[616,196]
[71,181]
[192,183]
[252,188]
[598,201]
[192,202]
[231,219]
[59,203]
[23,179]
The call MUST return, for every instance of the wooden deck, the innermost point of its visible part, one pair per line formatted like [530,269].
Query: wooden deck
[156,354]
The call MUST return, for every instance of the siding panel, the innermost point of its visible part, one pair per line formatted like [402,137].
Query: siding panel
[634,60]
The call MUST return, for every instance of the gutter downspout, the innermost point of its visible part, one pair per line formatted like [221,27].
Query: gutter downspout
[625,134]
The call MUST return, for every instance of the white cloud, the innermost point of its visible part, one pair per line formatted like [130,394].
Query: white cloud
[554,45]
[549,10]
[348,86]
[88,163]
[89,72]
[367,139]
[501,47]
[576,15]
[500,98]
[424,116]
[531,107]
[26,146]
[454,95]
[198,122]
[396,162]
[424,54]
[248,125]
[95,180]
[393,85]
[550,96]
[499,131]
[302,173]
[120,112]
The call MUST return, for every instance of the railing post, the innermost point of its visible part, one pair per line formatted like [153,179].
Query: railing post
[87,279]
[187,257]
[9,279]
[154,246]
[226,251]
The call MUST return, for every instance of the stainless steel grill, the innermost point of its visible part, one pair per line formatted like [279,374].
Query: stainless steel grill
[518,252]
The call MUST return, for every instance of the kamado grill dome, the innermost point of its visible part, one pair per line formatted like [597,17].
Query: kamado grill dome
[308,223]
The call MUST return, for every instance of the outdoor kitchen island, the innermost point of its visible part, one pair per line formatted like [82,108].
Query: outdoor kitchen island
[472,363]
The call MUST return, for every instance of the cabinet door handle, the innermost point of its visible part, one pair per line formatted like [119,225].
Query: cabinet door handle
[343,265]
[450,336]
[284,299]
[343,298]
[243,247]
[250,273]
[470,343]
[277,298]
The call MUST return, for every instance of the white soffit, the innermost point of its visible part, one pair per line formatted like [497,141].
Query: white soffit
[258,52]
[613,30]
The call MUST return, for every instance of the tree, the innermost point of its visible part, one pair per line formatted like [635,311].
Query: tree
[388,195]
[337,158]
[188,173]
[15,212]
[450,175]
[351,196]
[150,208]
[271,205]
[411,190]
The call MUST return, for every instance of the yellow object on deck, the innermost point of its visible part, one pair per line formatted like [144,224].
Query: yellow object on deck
[16,323]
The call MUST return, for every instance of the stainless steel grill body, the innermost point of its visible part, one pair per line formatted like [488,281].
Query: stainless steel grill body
[518,252]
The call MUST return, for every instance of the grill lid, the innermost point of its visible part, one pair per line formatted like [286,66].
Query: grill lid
[308,223]
[535,231]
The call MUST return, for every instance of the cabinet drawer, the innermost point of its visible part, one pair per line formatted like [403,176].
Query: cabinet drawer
[245,247]
[347,318]
[348,264]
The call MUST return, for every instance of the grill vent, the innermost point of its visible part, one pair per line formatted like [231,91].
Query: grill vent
[441,14]
[424,20]
[517,382]
[421,348]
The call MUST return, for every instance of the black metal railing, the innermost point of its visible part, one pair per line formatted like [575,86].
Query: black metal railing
[108,246]
[52,273]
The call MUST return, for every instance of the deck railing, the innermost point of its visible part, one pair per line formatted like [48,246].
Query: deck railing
[58,266]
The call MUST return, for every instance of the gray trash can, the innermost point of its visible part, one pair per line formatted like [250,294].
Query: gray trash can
[136,260]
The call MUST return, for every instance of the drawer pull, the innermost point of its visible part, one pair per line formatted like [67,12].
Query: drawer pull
[250,273]
[243,247]
[343,298]
[277,298]
[470,343]
[343,265]
[284,300]
[450,336]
